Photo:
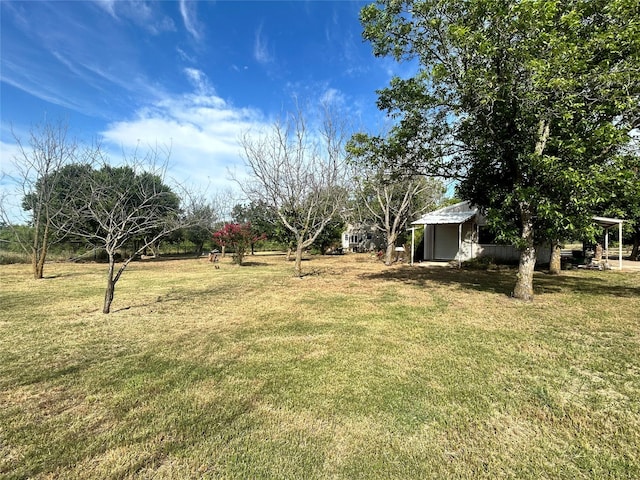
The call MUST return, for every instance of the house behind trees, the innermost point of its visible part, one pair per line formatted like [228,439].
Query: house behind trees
[362,237]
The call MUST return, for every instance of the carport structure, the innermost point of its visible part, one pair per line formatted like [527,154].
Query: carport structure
[607,223]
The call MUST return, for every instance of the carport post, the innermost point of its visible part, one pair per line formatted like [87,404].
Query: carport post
[620,245]
[459,245]
[413,241]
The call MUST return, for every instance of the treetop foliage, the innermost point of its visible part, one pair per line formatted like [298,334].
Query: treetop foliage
[518,99]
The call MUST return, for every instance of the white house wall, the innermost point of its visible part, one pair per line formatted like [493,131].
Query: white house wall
[441,243]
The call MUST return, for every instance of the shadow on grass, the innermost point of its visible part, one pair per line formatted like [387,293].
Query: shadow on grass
[254,264]
[503,281]
[169,258]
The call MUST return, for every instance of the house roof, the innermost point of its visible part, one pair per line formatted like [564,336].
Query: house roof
[453,214]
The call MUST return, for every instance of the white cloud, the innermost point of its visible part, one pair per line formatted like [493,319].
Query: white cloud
[261,48]
[143,14]
[185,56]
[199,80]
[10,191]
[8,153]
[108,6]
[332,96]
[188,12]
[201,130]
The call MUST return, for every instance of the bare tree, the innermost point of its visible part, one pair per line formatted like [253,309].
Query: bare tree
[299,173]
[123,204]
[390,203]
[38,176]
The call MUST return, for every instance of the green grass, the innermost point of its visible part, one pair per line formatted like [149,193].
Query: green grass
[354,371]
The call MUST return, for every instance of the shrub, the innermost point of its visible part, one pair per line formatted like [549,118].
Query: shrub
[238,237]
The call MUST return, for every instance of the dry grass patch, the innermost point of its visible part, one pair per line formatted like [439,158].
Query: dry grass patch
[355,371]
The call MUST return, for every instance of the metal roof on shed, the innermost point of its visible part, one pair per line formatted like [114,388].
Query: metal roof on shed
[451,214]
[441,217]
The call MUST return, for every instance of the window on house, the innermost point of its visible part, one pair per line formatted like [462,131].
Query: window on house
[486,236]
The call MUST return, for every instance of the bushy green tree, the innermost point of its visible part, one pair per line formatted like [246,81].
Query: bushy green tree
[331,235]
[622,180]
[203,219]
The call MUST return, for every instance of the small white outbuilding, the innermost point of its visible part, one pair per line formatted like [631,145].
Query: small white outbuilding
[459,232]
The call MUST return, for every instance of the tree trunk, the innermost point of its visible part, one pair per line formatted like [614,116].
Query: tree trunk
[388,254]
[36,266]
[298,266]
[111,286]
[555,264]
[391,245]
[524,283]
[40,253]
[636,243]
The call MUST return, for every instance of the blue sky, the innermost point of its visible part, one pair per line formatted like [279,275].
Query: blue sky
[192,74]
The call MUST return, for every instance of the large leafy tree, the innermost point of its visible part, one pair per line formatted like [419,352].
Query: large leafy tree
[203,219]
[525,102]
[331,235]
[623,185]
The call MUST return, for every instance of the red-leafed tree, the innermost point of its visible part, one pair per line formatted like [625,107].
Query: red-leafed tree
[238,237]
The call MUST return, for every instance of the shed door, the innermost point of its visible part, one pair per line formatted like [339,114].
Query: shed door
[445,242]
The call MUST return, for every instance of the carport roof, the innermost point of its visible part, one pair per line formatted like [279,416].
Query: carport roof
[607,222]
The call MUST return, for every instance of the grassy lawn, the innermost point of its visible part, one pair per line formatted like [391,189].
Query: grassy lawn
[356,371]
